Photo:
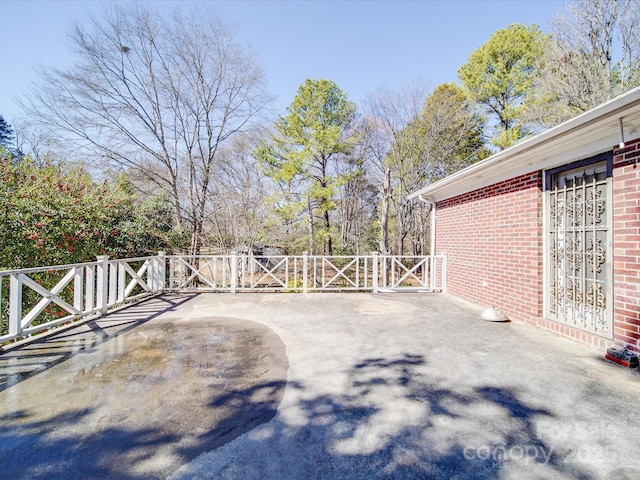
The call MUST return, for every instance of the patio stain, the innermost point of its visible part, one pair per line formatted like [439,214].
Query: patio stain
[142,403]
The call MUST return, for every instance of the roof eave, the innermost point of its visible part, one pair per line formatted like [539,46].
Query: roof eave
[613,108]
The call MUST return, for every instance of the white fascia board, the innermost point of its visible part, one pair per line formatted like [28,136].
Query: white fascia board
[588,134]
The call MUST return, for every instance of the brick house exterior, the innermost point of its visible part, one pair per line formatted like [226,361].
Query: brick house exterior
[492,238]
[507,246]
[626,244]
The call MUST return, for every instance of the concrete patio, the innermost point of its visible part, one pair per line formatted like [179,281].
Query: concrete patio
[293,386]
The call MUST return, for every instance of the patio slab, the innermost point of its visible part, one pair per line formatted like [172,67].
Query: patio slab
[334,386]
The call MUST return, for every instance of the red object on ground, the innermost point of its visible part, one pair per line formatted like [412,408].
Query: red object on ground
[622,357]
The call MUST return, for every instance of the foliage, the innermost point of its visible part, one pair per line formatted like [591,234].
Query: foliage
[388,147]
[451,131]
[593,56]
[57,215]
[499,77]
[300,155]
[161,95]
[171,101]
[448,135]
[413,141]
[8,142]
[6,134]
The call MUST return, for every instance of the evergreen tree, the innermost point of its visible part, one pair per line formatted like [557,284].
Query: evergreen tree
[6,134]
[499,77]
[302,153]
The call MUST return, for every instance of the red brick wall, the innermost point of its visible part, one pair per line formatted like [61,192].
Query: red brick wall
[493,241]
[626,245]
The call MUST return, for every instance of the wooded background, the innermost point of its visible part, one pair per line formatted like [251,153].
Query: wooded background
[158,137]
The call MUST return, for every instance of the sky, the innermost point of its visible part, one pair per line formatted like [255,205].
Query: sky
[361,45]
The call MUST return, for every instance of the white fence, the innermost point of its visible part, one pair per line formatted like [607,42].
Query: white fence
[306,273]
[37,299]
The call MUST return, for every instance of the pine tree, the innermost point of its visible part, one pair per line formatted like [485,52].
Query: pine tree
[6,134]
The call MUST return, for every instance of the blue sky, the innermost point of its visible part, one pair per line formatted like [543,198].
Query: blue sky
[361,45]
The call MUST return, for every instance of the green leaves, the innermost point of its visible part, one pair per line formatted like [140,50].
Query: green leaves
[6,134]
[309,140]
[499,76]
[317,120]
[56,214]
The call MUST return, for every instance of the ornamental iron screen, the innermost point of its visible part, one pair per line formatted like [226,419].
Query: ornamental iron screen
[579,292]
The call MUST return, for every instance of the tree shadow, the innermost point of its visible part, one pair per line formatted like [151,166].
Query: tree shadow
[393,421]
[23,362]
[157,404]
[37,449]
[395,418]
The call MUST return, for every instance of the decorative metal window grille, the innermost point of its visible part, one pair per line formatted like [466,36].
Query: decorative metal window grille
[579,291]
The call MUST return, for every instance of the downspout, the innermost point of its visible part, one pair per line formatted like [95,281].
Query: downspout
[432,206]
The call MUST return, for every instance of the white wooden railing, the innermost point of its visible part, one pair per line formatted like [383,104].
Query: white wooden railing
[306,273]
[37,299]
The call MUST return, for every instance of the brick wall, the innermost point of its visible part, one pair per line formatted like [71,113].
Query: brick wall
[626,245]
[493,241]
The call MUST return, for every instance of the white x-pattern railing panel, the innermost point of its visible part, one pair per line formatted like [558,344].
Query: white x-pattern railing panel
[342,273]
[305,273]
[37,299]
[188,271]
[265,273]
[407,271]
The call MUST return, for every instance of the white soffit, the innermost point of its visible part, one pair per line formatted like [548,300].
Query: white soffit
[586,135]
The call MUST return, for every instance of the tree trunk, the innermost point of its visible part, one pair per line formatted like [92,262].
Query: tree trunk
[384,212]
[327,226]
[310,226]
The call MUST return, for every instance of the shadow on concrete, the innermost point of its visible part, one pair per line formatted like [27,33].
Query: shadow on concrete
[33,449]
[39,453]
[388,416]
[140,399]
[22,362]
[392,422]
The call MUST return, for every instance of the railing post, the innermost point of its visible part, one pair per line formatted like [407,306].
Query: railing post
[113,283]
[305,272]
[152,274]
[374,269]
[15,304]
[90,288]
[234,271]
[161,273]
[443,272]
[121,282]
[103,283]
[172,272]
[78,284]
[433,266]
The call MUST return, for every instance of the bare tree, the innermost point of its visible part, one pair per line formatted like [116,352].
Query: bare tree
[413,140]
[238,198]
[388,113]
[593,56]
[357,201]
[160,95]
